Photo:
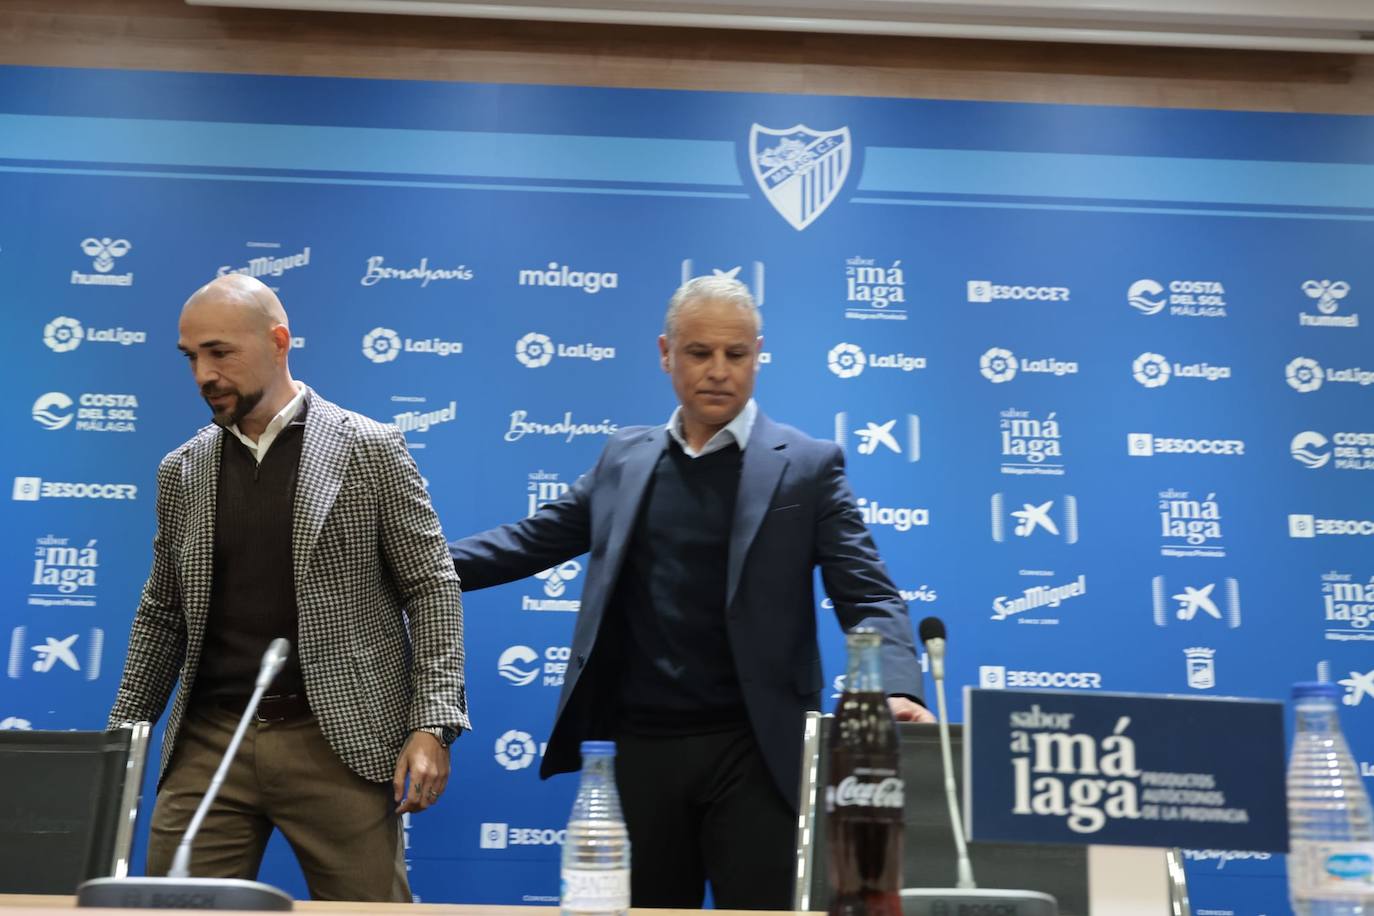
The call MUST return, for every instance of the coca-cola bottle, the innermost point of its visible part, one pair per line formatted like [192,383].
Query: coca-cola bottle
[863,800]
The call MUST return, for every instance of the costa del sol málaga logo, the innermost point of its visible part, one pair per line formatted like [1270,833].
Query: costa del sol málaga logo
[1146,296]
[63,334]
[997,365]
[534,350]
[381,345]
[1309,448]
[846,360]
[1151,370]
[52,410]
[1304,374]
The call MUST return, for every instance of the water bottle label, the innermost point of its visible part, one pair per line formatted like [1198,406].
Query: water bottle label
[1318,867]
[596,889]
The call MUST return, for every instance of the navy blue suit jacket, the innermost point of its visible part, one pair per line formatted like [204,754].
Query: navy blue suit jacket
[794,511]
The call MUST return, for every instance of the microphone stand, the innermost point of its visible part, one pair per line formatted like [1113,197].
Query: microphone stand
[938,901]
[179,890]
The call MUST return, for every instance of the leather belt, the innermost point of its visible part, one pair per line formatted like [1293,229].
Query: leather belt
[272,708]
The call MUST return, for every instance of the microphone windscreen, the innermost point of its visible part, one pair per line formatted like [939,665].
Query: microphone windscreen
[277,651]
[932,628]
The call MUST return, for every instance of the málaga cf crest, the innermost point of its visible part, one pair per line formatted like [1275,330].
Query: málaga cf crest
[799,169]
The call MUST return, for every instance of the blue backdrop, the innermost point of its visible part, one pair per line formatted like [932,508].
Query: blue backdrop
[1098,372]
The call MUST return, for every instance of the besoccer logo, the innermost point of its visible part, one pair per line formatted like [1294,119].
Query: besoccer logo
[997,365]
[515,750]
[63,334]
[381,345]
[1151,370]
[1146,297]
[51,411]
[846,360]
[534,350]
[1304,375]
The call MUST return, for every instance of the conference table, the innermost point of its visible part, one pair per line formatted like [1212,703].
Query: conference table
[43,904]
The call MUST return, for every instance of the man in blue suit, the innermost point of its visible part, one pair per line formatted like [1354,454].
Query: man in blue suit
[695,647]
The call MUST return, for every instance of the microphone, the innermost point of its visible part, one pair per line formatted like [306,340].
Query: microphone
[931,901]
[179,890]
[932,632]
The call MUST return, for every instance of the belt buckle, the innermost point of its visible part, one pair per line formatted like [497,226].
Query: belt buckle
[259,716]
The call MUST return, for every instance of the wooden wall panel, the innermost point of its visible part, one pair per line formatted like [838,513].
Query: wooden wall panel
[169,35]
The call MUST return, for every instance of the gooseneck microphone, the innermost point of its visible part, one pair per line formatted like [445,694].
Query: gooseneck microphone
[966,895]
[179,890]
[932,631]
[272,661]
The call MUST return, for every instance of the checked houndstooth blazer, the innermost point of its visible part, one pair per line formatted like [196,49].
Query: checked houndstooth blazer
[380,612]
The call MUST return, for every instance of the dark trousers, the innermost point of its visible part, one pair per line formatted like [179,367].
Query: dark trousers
[343,829]
[704,808]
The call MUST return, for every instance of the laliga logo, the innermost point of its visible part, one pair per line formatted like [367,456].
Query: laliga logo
[508,665]
[534,350]
[515,750]
[1151,370]
[1304,375]
[557,578]
[104,251]
[1327,293]
[63,334]
[381,345]
[997,365]
[1304,449]
[846,360]
[1141,297]
[49,410]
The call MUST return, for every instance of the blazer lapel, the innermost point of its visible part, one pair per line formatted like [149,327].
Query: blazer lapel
[765,459]
[200,489]
[634,478]
[324,458]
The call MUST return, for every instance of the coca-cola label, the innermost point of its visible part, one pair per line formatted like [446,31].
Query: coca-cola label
[854,792]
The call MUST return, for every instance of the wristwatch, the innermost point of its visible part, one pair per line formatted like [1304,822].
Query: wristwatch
[444,734]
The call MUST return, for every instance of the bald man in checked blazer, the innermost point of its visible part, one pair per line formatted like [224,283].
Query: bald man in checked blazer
[290,516]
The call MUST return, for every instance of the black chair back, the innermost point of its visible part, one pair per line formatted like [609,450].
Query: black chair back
[68,802]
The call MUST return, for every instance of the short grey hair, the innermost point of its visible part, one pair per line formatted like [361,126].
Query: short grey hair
[714,288]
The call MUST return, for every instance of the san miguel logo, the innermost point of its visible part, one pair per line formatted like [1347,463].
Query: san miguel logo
[799,170]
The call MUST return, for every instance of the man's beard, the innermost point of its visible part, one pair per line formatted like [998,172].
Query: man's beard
[243,406]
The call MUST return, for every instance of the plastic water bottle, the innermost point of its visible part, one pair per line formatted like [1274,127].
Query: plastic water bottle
[596,851]
[1331,832]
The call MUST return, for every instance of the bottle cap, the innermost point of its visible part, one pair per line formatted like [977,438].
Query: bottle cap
[1315,689]
[598,748]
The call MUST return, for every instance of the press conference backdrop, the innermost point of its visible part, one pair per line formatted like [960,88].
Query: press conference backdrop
[1102,376]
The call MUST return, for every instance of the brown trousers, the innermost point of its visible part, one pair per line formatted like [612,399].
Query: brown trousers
[343,829]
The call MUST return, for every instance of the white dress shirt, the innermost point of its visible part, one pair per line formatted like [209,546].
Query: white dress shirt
[279,422]
[736,431]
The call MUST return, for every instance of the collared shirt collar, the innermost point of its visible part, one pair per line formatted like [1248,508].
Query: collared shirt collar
[278,423]
[736,431]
